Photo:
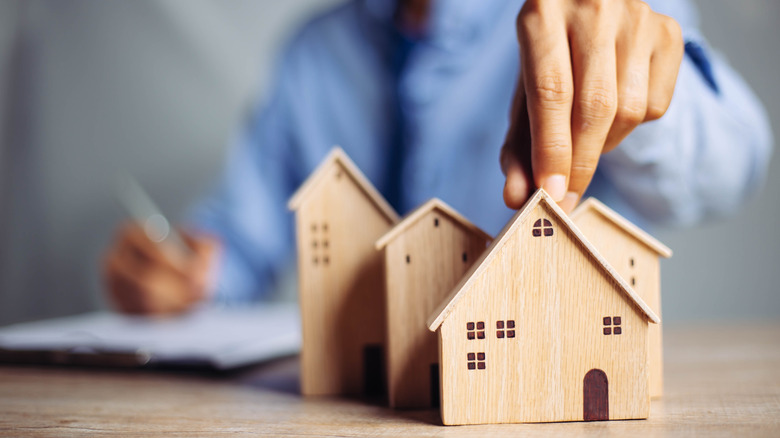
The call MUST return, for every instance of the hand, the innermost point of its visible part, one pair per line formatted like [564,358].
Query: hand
[592,71]
[157,278]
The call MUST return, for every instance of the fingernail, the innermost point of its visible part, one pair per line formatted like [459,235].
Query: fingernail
[555,186]
[569,201]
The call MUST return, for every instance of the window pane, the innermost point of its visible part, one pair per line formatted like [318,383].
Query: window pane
[470,335]
[472,365]
[500,324]
[547,223]
[537,232]
[500,333]
[618,330]
[510,323]
[469,326]
[538,223]
[481,365]
[607,331]
[548,232]
[510,334]
[616,320]
[480,335]
[607,320]
[480,356]
[470,356]
[481,325]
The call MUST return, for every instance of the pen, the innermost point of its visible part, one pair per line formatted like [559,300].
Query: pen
[143,210]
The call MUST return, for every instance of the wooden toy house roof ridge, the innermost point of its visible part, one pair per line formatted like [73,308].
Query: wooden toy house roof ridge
[446,307]
[624,224]
[413,217]
[337,157]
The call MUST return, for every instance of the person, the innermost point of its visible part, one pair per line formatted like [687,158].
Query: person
[417,92]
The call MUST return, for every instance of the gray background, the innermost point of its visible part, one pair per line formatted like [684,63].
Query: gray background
[158,87]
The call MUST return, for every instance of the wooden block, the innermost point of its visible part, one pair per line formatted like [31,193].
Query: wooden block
[339,217]
[635,256]
[578,347]
[426,254]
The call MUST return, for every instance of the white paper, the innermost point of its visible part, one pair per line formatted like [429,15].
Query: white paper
[220,337]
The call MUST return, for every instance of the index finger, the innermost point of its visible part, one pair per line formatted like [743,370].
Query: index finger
[546,65]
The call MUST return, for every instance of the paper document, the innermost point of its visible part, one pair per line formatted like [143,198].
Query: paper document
[221,338]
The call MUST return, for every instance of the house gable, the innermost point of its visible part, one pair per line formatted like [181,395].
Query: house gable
[338,162]
[519,223]
[422,211]
[594,206]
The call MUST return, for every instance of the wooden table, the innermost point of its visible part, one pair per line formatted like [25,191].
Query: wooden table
[721,381]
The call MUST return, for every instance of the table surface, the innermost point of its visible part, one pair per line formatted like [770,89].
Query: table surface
[720,381]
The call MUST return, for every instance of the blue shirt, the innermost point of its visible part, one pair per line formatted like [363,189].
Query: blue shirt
[427,118]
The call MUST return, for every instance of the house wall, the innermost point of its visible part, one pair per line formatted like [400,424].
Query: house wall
[644,276]
[557,297]
[414,289]
[341,285]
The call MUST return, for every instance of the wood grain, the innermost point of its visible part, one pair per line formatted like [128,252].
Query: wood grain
[722,380]
[635,255]
[555,290]
[426,254]
[339,216]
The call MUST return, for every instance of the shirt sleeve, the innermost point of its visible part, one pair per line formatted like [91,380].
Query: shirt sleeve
[708,154]
[248,209]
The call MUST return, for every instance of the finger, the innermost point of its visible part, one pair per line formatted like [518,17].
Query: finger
[204,254]
[633,70]
[138,289]
[595,103]
[516,152]
[664,66]
[546,64]
[134,241]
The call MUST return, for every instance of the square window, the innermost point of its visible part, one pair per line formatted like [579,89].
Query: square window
[500,324]
[607,320]
[510,334]
[475,361]
[617,331]
[510,323]
[607,330]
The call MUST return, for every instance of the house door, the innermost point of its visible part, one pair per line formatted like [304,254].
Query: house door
[596,396]
[373,370]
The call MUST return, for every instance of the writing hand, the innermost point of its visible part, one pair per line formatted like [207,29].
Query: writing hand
[145,277]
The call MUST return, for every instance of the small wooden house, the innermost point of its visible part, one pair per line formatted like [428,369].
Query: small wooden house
[339,216]
[635,256]
[426,254]
[542,328]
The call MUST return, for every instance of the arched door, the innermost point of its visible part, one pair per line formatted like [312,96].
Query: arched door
[596,396]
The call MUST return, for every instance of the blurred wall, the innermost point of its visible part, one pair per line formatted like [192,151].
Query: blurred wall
[157,88]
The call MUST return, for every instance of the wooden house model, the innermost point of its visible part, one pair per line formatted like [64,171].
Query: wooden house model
[339,216]
[426,254]
[634,254]
[542,328]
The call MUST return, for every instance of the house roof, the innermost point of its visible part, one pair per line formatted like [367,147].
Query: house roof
[622,223]
[337,156]
[413,217]
[446,307]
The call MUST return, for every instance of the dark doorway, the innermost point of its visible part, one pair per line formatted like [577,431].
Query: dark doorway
[596,396]
[435,385]
[373,370]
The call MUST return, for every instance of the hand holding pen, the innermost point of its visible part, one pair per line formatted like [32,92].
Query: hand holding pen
[152,268]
